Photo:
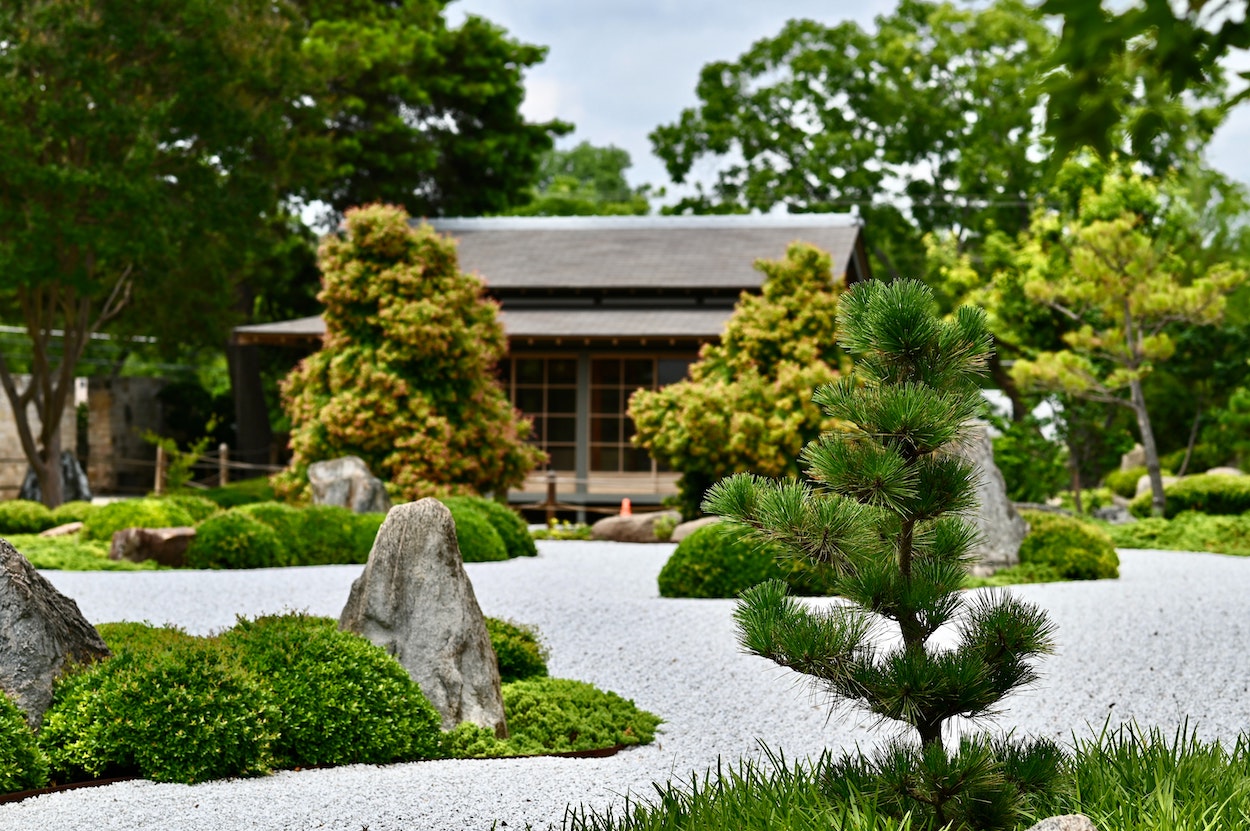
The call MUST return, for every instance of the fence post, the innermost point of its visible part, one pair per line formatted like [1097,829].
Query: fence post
[551,497]
[223,464]
[158,486]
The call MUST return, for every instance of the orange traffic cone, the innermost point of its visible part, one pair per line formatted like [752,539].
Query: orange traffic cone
[626,508]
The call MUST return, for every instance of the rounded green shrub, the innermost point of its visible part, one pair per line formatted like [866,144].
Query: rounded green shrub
[721,560]
[200,508]
[152,512]
[479,541]
[142,638]
[21,516]
[22,764]
[1075,549]
[186,712]
[556,715]
[366,531]
[328,535]
[520,653]
[471,741]
[511,528]
[236,540]
[1219,494]
[342,699]
[76,511]
[285,521]
[1124,482]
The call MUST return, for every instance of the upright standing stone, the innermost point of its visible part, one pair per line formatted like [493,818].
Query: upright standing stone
[415,601]
[1134,458]
[347,482]
[41,630]
[1002,528]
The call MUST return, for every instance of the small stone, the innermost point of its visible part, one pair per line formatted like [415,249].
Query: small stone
[415,601]
[62,530]
[167,546]
[41,631]
[1067,822]
[1114,514]
[687,528]
[636,528]
[348,483]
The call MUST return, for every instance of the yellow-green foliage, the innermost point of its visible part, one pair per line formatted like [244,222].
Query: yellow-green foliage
[21,516]
[747,405]
[72,553]
[1124,482]
[22,763]
[1076,550]
[556,715]
[518,650]
[721,560]
[1207,494]
[405,377]
[1190,531]
[76,511]
[134,513]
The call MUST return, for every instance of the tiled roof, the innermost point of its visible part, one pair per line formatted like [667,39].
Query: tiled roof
[698,252]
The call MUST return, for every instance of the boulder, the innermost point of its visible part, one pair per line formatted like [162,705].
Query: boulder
[1067,822]
[636,528]
[687,528]
[1002,528]
[168,546]
[1143,483]
[415,601]
[347,482]
[62,530]
[74,487]
[1224,471]
[41,631]
[1134,458]
[1114,514]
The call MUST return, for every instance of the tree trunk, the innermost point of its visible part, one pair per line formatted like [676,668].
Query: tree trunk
[1157,500]
[1193,438]
[43,454]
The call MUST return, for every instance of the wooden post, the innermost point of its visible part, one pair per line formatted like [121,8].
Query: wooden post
[551,496]
[158,486]
[223,464]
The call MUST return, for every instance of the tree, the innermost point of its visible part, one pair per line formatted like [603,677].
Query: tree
[139,143]
[884,514]
[745,406]
[405,379]
[1181,44]
[1107,271]
[584,181]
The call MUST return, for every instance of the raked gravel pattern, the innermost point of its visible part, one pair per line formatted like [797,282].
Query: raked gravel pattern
[1167,643]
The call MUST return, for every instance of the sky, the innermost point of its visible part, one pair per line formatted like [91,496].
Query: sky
[618,69]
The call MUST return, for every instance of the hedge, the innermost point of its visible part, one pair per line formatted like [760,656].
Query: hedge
[1076,550]
[720,560]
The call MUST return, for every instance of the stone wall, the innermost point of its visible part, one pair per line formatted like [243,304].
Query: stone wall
[119,412]
[13,462]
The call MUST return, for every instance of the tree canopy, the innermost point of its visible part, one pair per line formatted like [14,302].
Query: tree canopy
[584,181]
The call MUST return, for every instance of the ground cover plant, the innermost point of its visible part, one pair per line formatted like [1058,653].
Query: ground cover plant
[72,553]
[884,511]
[286,691]
[22,516]
[150,512]
[1190,531]
[562,530]
[1205,493]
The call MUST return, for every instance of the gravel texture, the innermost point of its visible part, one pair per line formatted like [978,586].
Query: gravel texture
[1165,644]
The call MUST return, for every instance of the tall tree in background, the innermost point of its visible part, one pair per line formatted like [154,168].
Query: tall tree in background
[585,181]
[140,141]
[747,406]
[405,379]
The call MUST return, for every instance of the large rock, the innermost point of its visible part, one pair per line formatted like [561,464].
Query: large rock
[347,482]
[687,528]
[636,528]
[415,601]
[41,630]
[1067,822]
[1134,458]
[167,546]
[1002,528]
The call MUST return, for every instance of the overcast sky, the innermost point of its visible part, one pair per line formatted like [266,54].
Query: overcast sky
[618,69]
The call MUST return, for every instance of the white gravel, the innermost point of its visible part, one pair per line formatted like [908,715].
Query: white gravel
[1166,643]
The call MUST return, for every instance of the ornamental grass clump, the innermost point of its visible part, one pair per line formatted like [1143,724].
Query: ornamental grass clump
[884,510]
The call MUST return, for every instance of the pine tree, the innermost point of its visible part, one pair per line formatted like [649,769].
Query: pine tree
[884,511]
[405,379]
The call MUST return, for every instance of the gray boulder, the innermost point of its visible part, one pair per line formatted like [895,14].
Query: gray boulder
[1225,471]
[1002,528]
[415,601]
[347,482]
[1134,458]
[41,631]
[1067,822]
[636,528]
[74,486]
[168,546]
[687,528]
[1114,514]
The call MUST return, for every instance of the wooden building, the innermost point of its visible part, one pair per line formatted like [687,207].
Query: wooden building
[597,307]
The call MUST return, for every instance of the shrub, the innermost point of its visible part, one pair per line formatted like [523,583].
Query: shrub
[21,516]
[283,520]
[471,741]
[1151,532]
[343,700]
[1218,494]
[1075,549]
[151,512]
[71,553]
[547,715]
[239,493]
[506,522]
[200,508]
[23,765]
[1124,482]
[664,527]
[76,511]
[478,539]
[520,653]
[720,560]
[1190,531]
[328,536]
[172,709]
[562,530]
[235,540]
[366,531]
